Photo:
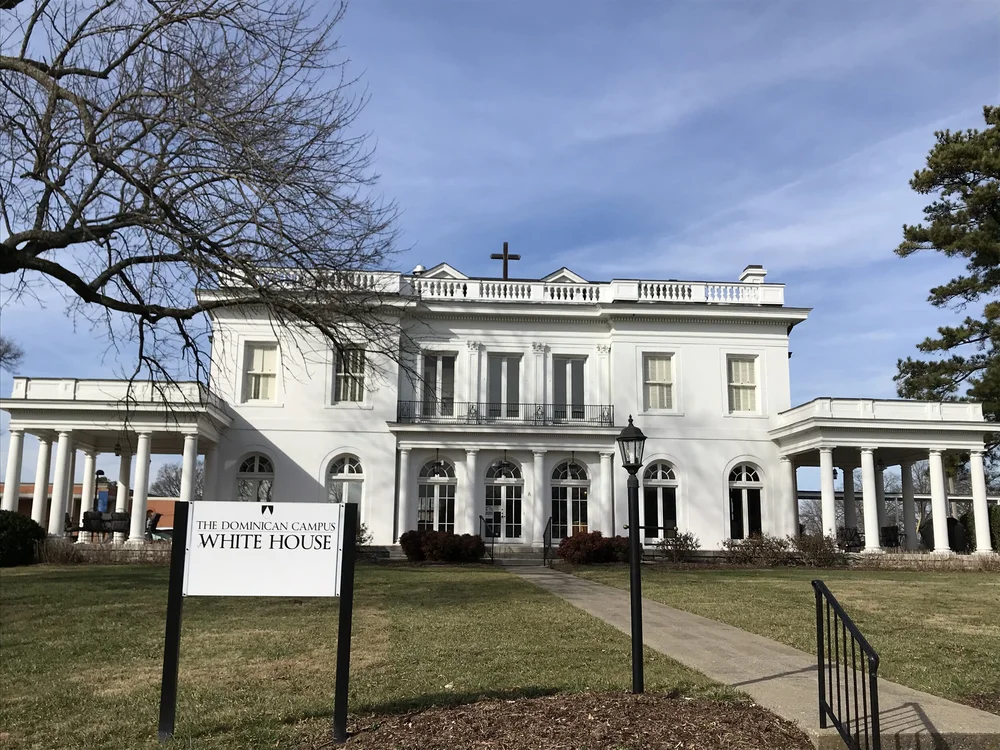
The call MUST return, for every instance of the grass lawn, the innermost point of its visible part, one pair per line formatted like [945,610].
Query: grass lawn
[936,632]
[81,650]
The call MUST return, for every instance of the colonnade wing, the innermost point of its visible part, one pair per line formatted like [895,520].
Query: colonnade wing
[873,434]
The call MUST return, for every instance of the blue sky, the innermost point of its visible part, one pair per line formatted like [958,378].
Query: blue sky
[662,140]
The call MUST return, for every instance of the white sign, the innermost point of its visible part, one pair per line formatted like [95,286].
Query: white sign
[277,549]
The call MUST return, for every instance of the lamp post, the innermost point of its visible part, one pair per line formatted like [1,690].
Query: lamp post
[631,441]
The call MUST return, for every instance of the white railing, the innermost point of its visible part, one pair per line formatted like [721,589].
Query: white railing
[73,389]
[867,408]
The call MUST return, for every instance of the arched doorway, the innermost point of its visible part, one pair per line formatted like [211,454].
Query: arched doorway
[570,490]
[436,496]
[504,488]
[659,502]
[745,494]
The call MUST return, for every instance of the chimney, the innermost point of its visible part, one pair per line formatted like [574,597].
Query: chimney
[753,275]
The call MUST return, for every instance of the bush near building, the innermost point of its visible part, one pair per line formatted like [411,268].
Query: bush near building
[679,547]
[593,547]
[19,539]
[442,546]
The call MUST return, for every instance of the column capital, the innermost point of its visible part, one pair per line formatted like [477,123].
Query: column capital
[469,452]
[826,449]
[539,453]
[935,452]
[16,431]
[404,451]
[610,455]
[784,459]
[67,433]
[868,451]
[978,453]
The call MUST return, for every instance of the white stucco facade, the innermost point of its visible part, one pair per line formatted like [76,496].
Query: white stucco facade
[501,411]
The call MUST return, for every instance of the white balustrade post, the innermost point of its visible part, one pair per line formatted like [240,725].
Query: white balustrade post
[189,467]
[140,493]
[471,492]
[57,508]
[122,498]
[850,504]
[209,473]
[828,497]
[869,499]
[939,503]
[12,479]
[909,510]
[980,509]
[533,527]
[404,492]
[87,491]
[605,500]
[39,499]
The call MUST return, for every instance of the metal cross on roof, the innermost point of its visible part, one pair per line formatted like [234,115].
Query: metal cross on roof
[505,256]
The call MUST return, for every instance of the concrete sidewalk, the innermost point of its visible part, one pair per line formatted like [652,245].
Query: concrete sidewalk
[776,676]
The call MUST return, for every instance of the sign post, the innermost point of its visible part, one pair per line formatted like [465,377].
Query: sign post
[250,549]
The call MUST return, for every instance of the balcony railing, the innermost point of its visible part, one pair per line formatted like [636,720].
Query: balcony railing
[445,411]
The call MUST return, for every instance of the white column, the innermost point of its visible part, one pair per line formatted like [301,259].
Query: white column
[909,511]
[140,492]
[41,494]
[850,504]
[405,511]
[60,479]
[828,498]
[604,499]
[471,498]
[12,479]
[880,496]
[939,503]
[87,491]
[787,502]
[869,498]
[533,527]
[980,510]
[122,498]
[210,469]
[189,467]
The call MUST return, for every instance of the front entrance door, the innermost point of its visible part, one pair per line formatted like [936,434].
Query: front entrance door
[503,511]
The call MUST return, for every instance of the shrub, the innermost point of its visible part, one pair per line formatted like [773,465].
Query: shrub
[679,547]
[819,551]
[364,537]
[442,546]
[995,526]
[593,547]
[19,537]
[762,549]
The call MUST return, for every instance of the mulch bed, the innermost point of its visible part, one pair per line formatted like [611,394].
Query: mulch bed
[585,720]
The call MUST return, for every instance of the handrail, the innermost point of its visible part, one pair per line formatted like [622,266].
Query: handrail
[837,674]
[547,544]
[447,411]
[491,537]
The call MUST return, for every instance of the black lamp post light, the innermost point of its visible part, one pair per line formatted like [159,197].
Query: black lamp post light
[631,441]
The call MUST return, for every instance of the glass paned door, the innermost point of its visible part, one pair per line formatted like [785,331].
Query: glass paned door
[736,513]
[568,387]
[436,507]
[659,512]
[569,511]
[503,511]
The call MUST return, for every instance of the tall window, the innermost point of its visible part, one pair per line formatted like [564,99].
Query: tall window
[567,387]
[658,381]
[344,480]
[349,378]
[438,385]
[504,487]
[503,385]
[745,490]
[255,479]
[659,501]
[260,372]
[570,487]
[742,383]
[436,497]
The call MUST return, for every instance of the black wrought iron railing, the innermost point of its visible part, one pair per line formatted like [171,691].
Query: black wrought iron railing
[547,543]
[848,675]
[445,411]
[489,535]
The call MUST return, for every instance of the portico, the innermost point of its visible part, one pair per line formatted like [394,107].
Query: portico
[133,420]
[873,435]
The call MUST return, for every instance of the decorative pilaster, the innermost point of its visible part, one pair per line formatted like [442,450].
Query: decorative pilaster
[12,480]
[404,492]
[603,374]
[533,526]
[471,495]
[605,499]
[137,527]
[538,357]
[473,367]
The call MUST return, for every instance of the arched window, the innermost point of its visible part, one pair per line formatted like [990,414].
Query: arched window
[344,480]
[659,501]
[504,488]
[745,493]
[570,488]
[436,496]
[255,479]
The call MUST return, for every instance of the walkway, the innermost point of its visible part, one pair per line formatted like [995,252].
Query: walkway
[776,676]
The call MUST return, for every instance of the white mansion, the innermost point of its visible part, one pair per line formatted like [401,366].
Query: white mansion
[522,387]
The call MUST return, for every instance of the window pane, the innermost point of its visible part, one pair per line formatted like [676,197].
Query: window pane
[651,514]
[264,491]
[576,368]
[513,380]
[245,490]
[494,380]
[336,490]
[448,380]
[560,368]
[354,492]
[430,382]
[736,513]
[753,512]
